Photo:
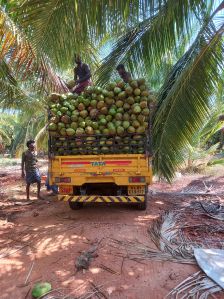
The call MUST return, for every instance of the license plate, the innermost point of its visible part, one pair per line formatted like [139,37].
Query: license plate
[65,189]
[136,190]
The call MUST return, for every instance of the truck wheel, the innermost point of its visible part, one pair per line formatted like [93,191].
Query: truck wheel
[75,205]
[143,205]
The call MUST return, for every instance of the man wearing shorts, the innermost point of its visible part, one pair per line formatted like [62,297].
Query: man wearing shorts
[31,173]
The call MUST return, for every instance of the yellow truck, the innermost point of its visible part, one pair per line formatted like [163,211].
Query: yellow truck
[113,177]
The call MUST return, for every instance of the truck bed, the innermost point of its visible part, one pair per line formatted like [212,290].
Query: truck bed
[118,168]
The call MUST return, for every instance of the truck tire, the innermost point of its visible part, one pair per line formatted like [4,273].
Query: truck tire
[143,205]
[75,205]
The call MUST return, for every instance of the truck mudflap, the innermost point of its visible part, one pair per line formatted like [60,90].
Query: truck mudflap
[105,199]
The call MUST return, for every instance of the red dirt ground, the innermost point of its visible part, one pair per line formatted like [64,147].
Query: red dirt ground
[50,236]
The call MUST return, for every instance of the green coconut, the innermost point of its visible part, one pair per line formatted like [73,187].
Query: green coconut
[80,131]
[120,110]
[137,92]
[54,97]
[126,106]
[89,130]
[142,87]
[60,125]
[63,132]
[145,93]
[117,90]
[145,111]
[112,111]
[140,129]
[130,100]
[131,129]
[126,116]
[52,127]
[83,113]
[81,107]
[100,104]
[136,124]
[93,113]
[121,84]
[59,114]
[109,117]
[109,101]
[70,131]
[104,110]
[55,119]
[133,117]
[120,130]
[129,90]
[122,95]
[111,86]
[64,109]
[82,124]
[118,116]
[126,124]
[40,289]
[65,119]
[106,131]
[143,104]
[133,84]
[137,109]
[141,118]
[93,103]
[74,125]
[95,125]
[103,121]
[119,103]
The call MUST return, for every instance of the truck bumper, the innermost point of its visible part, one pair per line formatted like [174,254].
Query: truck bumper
[105,199]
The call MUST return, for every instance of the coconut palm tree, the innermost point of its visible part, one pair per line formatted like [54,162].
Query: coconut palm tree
[185,97]
[146,33]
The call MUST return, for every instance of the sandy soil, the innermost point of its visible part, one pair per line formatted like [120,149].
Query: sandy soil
[47,236]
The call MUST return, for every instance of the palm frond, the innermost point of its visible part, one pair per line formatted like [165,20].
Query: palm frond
[22,58]
[145,45]
[61,28]
[171,245]
[197,285]
[41,138]
[184,98]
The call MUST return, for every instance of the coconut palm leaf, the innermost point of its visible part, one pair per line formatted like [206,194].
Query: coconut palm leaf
[7,124]
[171,245]
[184,98]
[61,28]
[41,138]
[20,55]
[197,285]
[9,87]
[145,45]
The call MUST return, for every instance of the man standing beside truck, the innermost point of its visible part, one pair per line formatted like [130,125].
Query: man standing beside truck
[82,75]
[30,169]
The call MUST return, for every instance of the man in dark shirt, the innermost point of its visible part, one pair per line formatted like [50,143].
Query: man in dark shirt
[32,174]
[82,76]
[123,73]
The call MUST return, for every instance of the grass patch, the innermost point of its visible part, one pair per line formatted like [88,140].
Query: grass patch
[9,161]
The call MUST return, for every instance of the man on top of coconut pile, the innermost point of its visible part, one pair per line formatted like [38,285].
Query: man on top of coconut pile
[82,75]
[123,73]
